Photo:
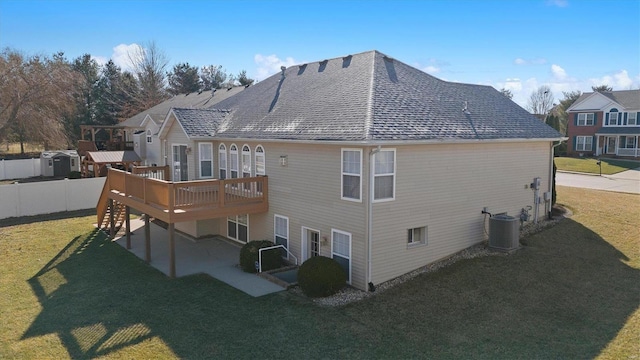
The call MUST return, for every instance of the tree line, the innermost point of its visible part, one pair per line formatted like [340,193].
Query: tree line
[45,99]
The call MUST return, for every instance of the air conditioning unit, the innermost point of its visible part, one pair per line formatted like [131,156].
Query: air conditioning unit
[504,233]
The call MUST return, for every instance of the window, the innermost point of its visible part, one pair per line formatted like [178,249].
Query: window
[281,233]
[351,174]
[341,250]
[614,119]
[585,119]
[632,118]
[246,165]
[631,142]
[417,236]
[73,162]
[149,137]
[205,152]
[50,163]
[584,143]
[233,159]
[222,161]
[384,175]
[260,164]
[260,161]
[238,228]
[246,161]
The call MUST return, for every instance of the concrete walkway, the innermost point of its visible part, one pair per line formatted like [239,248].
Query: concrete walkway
[215,257]
[626,181]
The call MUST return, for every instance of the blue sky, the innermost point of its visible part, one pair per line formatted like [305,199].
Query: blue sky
[519,45]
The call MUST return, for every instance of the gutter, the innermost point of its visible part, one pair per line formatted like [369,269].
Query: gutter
[385,142]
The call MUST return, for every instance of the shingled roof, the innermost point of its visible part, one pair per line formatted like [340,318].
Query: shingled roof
[372,97]
[195,100]
[199,123]
[629,99]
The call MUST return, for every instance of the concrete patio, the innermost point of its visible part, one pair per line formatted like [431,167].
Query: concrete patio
[215,257]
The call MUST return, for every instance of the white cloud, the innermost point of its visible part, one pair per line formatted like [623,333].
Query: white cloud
[270,64]
[431,69]
[558,3]
[558,72]
[536,61]
[121,55]
[101,60]
[618,81]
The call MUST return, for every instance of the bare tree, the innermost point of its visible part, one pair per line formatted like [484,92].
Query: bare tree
[36,94]
[540,101]
[149,66]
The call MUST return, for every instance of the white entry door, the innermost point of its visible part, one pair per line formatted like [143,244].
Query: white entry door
[310,243]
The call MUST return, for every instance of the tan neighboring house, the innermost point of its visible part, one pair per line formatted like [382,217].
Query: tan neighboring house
[367,160]
[142,129]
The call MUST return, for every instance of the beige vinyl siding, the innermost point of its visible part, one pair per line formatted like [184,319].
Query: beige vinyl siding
[307,191]
[176,136]
[445,187]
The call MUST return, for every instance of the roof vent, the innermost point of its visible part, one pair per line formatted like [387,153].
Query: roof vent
[465,109]
[247,85]
[283,68]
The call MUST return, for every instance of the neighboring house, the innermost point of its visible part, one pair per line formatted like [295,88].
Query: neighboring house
[143,128]
[369,161]
[605,123]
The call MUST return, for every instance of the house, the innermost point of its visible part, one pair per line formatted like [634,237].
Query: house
[360,158]
[142,129]
[605,124]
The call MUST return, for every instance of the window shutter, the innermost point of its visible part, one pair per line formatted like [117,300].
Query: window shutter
[606,119]
[575,119]
[595,119]
[593,144]
[624,121]
[575,143]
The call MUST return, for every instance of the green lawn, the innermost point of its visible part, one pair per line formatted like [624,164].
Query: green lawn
[572,293]
[589,165]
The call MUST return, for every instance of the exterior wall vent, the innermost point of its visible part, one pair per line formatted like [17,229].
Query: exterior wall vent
[504,233]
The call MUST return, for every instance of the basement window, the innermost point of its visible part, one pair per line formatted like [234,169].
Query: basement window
[417,237]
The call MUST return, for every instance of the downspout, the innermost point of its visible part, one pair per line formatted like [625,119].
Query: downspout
[370,216]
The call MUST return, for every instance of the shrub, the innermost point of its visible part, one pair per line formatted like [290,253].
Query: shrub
[321,276]
[74,175]
[271,259]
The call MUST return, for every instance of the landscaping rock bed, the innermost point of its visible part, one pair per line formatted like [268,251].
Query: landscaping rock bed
[350,294]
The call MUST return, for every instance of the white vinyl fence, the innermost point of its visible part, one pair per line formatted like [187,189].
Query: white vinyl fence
[47,197]
[19,169]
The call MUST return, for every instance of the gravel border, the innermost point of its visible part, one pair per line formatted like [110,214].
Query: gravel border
[349,294]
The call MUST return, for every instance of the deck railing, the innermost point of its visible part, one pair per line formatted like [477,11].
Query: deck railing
[177,199]
[153,172]
[628,152]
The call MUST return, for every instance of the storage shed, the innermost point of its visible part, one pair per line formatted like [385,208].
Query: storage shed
[59,163]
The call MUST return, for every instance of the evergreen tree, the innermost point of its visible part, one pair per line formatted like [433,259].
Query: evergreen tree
[184,79]
[212,77]
[244,80]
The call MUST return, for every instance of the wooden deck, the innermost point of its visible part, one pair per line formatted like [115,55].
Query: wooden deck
[174,202]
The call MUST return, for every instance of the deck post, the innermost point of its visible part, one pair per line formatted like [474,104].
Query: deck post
[147,239]
[112,221]
[172,251]
[127,225]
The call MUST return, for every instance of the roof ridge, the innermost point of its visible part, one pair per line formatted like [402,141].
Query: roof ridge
[368,120]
